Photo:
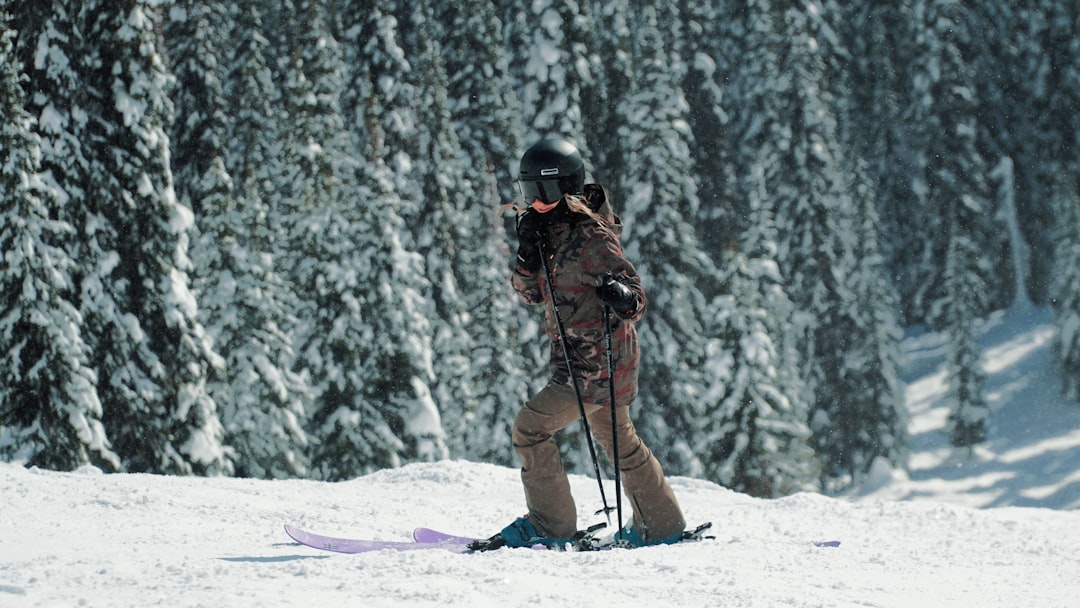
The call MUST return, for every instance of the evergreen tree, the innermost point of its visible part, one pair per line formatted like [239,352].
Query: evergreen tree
[1022,55]
[953,182]
[376,62]
[56,95]
[874,423]
[195,33]
[755,438]
[969,412]
[373,367]
[1065,70]
[442,232]
[364,340]
[677,367]
[875,426]
[1061,71]
[487,123]
[239,291]
[549,42]
[382,74]
[722,216]
[248,311]
[877,36]
[265,399]
[50,415]
[612,40]
[150,352]
[462,255]
[951,173]
[253,128]
[996,56]
[518,25]
[797,164]
[1066,278]
[480,97]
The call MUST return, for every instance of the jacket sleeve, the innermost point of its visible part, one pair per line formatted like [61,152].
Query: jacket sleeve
[527,285]
[603,255]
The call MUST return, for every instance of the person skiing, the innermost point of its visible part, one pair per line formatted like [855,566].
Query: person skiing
[572,226]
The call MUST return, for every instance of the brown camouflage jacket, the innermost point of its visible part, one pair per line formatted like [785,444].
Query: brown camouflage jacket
[579,252]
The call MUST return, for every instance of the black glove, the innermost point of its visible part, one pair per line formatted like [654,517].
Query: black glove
[619,297]
[530,226]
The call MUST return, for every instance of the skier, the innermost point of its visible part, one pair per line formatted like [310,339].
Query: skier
[572,225]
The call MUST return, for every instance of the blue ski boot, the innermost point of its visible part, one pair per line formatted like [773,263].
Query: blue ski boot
[630,538]
[521,533]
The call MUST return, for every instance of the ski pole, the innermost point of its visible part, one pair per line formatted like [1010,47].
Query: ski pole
[614,424]
[573,380]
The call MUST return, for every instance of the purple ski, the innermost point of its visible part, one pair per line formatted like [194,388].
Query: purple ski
[427,535]
[427,538]
[349,545]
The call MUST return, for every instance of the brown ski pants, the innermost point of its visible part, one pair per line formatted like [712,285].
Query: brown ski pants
[656,512]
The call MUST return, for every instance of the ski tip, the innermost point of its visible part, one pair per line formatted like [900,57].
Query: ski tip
[292,532]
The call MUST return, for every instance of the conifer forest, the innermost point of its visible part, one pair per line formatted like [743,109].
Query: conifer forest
[272,238]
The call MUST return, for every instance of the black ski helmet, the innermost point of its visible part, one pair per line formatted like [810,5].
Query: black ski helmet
[551,168]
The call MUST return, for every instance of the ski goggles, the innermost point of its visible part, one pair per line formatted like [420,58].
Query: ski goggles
[543,190]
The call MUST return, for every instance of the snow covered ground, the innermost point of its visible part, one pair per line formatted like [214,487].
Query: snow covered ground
[1032,457]
[999,527]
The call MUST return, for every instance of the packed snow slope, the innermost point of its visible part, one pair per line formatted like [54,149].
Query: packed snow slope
[1032,455]
[999,527]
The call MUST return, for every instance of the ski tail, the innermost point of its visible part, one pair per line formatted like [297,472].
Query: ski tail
[353,545]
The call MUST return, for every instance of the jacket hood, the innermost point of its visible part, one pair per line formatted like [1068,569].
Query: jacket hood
[598,200]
